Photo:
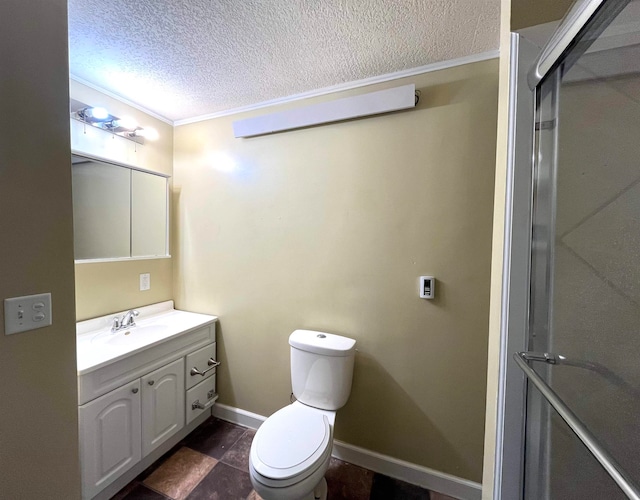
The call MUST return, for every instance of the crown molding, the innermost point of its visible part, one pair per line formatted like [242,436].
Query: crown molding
[121,99]
[451,63]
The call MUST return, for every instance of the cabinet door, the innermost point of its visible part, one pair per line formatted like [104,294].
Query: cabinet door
[162,404]
[110,440]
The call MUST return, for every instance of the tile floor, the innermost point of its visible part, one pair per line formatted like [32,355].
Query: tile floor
[213,463]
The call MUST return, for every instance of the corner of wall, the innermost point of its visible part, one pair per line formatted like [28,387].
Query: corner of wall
[497,259]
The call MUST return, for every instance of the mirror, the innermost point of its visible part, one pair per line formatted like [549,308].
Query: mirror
[118,212]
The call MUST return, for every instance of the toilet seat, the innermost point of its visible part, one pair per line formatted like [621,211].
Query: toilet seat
[290,445]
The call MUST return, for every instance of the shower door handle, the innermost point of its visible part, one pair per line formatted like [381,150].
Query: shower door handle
[613,468]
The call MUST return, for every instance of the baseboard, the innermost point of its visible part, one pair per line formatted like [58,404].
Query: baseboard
[399,469]
[238,416]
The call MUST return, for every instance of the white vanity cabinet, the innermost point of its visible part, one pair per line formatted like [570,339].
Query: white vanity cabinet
[110,437]
[135,405]
[162,396]
[128,423]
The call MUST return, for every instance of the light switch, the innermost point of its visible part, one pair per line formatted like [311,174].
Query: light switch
[27,313]
[145,281]
[427,288]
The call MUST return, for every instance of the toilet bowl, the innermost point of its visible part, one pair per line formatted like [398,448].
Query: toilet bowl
[290,453]
[291,450]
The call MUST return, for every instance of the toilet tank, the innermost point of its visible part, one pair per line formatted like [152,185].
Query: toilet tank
[321,368]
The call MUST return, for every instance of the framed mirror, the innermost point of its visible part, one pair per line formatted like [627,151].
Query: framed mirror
[119,212]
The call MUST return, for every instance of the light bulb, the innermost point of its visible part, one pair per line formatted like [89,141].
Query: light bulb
[97,114]
[126,122]
[148,133]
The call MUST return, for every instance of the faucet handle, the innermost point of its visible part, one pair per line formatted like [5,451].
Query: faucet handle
[117,323]
[127,319]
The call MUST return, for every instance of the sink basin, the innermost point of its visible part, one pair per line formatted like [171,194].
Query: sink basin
[157,325]
[130,336]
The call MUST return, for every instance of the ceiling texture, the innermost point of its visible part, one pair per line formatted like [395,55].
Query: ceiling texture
[187,58]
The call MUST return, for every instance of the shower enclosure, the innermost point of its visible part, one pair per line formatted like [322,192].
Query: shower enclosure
[569,418]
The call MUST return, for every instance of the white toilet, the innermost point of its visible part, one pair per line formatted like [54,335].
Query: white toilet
[291,450]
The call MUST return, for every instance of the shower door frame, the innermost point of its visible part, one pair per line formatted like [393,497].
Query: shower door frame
[528,67]
[514,327]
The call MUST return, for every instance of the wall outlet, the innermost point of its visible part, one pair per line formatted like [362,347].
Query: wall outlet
[27,313]
[145,281]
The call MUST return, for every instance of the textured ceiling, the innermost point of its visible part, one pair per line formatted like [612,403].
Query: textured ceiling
[186,58]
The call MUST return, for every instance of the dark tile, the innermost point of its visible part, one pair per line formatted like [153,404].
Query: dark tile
[347,481]
[125,491]
[180,474]
[214,437]
[439,496]
[223,483]
[142,493]
[387,488]
[238,455]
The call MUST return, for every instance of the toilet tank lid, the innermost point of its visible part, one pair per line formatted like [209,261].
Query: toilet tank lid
[327,344]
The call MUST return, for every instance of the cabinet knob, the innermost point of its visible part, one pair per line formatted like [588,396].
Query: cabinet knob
[134,390]
[151,382]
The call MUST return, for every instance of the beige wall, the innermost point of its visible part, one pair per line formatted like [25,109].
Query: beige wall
[328,228]
[107,287]
[497,258]
[38,400]
[104,288]
[525,13]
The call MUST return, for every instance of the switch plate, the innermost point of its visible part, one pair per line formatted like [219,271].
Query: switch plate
[27,313]
[145,281]
[427,288]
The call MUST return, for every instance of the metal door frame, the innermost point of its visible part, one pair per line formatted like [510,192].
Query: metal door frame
[528,67]
[509,460]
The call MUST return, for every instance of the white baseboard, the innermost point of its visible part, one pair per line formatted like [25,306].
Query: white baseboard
[399,469]
[238,416]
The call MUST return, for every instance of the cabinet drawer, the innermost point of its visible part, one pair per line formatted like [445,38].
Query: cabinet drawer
[200,365]
[201,397]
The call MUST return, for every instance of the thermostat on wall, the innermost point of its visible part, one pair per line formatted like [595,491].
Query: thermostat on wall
[427,287]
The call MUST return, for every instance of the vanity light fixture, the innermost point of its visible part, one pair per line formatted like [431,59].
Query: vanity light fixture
[148,133]
[99,117]
[126,123]
[92,115]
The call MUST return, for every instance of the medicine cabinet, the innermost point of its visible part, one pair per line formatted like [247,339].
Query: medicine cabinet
[119,212]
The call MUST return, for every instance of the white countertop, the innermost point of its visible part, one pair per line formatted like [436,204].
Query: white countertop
[97,346]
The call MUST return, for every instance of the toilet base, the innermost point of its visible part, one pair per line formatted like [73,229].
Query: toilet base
[320,491]
[297,491]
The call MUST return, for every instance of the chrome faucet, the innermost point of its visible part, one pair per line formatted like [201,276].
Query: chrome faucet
[127,319]
[125,322]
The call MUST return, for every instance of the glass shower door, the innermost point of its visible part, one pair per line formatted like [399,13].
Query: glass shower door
[584,329]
